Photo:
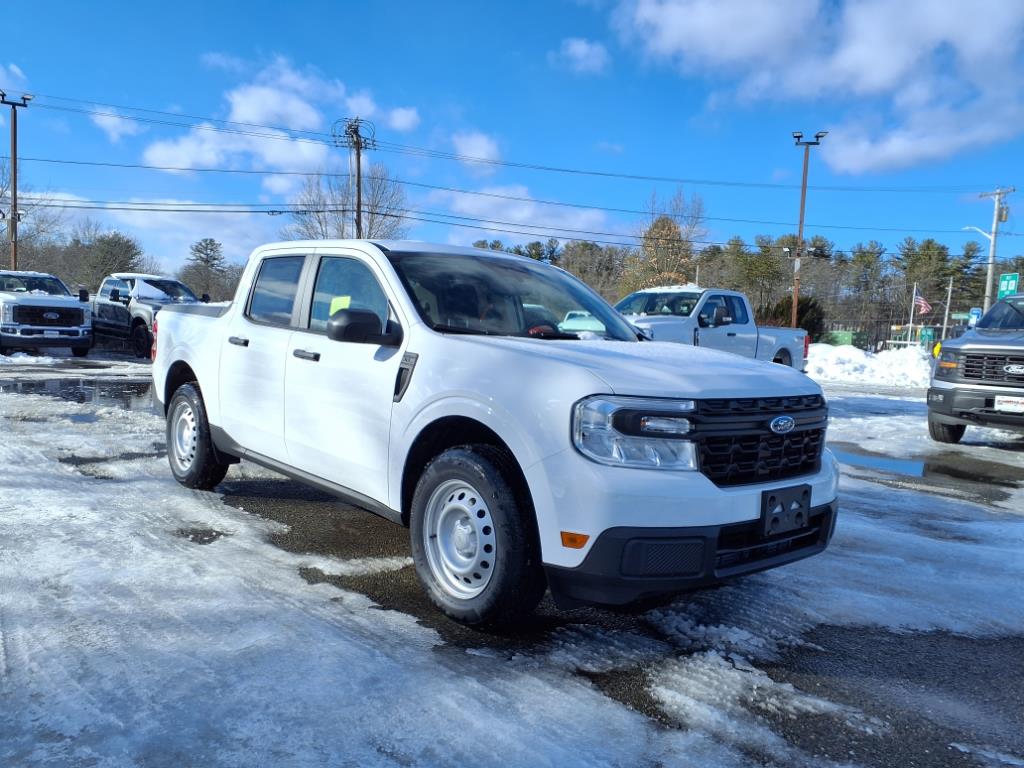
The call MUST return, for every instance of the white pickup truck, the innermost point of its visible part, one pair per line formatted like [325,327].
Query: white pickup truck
[37,311]
[430,384]
[713,318]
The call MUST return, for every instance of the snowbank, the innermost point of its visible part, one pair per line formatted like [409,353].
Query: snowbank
[908,367]
[20,358]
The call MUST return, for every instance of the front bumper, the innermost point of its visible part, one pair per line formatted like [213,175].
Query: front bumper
[28,337]
[628,564]
[972,405]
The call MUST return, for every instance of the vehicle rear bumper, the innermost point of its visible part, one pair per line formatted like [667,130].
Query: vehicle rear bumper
[974,405]
[628,564]
[18,336]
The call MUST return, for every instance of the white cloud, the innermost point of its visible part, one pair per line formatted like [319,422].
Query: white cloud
[272,105]
[223,61]
[403,119]
[13,75]
[478,145]
[361,104]
[524,214]
[582,56]
[923,80]
[609,147]
[116,126]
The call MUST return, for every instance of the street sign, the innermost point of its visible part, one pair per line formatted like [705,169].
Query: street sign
[974,316]
[958,316]
[1008,283]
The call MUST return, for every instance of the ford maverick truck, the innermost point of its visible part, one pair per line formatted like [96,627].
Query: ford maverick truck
[433,385]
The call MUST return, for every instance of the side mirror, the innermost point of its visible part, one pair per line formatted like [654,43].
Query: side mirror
[83,294]
[721,318]
[205,298]
[361,326]
[115,295]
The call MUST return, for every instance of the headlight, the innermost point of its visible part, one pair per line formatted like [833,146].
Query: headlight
[6,313]
[946,365]
[87,315]
[645,433]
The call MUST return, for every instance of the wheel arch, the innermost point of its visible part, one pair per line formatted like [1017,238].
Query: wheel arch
[447,432]
[179,373]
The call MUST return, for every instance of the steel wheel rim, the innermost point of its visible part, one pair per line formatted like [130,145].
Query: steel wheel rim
[459,540]
[184,436]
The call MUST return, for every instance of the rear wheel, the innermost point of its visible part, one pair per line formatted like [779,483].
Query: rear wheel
[945,433]
[141,340]
[190,450]
[782,358]
[473,538]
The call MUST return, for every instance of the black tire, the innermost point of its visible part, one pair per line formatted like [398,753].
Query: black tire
[782,358]
[945,433]
[80,351]
[141,340]
[515,583]
[197,464]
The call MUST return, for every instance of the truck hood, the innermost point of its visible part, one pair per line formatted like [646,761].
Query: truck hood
[663,369]
[41,300]
[981,337]
[650,323]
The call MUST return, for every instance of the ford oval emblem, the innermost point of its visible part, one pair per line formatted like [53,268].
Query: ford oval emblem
[51,315]
[780,425]
[1014,370]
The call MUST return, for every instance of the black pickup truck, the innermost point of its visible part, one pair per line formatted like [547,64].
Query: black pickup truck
[126,303]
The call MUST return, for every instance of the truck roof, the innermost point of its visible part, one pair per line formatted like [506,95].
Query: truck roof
[25,272]
[394,246]
[139,276]
[670,288]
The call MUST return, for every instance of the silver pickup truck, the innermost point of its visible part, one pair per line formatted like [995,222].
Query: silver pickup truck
[979,378]
[714,318]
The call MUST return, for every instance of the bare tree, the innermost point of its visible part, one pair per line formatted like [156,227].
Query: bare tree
[324,207]
[40,221]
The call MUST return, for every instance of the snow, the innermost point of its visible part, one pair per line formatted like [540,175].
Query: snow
[906,367]
[123,643]
[22,358]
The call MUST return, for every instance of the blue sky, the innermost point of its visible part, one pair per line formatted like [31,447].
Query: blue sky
[920,95]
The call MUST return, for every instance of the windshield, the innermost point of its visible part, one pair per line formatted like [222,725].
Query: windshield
[152,288]
[656,303]
[505,296]
[33,284]
[1007,315]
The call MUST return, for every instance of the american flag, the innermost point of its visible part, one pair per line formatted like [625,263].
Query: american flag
[922,304]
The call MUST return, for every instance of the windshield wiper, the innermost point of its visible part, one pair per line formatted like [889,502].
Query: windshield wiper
[552,335]
[469,331]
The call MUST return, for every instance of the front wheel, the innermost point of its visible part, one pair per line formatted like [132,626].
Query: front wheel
[194,462]
[141,340]
[945,433]
[473,538]
[80,351]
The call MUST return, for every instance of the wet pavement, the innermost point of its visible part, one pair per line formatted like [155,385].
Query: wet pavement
[924,693]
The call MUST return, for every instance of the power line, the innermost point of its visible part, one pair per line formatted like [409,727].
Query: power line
[477,193]
[441,154]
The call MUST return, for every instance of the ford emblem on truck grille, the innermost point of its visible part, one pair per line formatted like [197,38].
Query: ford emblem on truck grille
[51,315]
[780,425]
[1014,370]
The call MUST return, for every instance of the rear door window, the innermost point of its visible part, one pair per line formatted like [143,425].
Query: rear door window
[277,285]
[737,309]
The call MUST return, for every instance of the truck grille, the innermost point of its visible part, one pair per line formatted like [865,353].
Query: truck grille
[61,317]
[735,445]
[986,367]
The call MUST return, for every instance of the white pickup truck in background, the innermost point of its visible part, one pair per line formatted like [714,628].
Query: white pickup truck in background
[713,318]
[433,386]
[37,311]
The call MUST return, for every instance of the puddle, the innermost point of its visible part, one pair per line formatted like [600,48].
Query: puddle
[131,396]
[200,535]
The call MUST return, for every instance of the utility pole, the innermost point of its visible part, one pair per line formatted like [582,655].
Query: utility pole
[949,299]
[357,135]
[999,213]
[797,137]
[15,216]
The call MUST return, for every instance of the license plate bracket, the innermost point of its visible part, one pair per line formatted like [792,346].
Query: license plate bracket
[785,509]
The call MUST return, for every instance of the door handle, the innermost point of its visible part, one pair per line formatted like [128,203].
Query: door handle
[304,355]
[238,341]
[731,333]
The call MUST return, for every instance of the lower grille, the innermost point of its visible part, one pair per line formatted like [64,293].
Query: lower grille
[986,367]
[53,317]
[759,458]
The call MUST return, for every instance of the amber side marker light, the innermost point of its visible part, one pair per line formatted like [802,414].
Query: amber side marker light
[574,540]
